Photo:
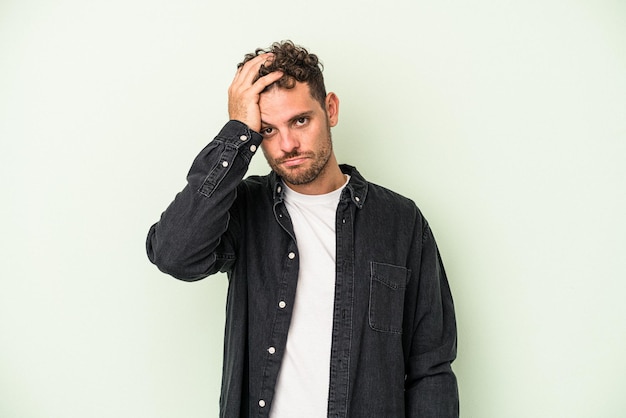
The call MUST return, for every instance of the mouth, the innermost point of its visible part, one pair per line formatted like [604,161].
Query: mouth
[293,162]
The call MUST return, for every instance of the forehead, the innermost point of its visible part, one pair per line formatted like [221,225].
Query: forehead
[280,104]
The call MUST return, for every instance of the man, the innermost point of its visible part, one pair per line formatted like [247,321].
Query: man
[338,304]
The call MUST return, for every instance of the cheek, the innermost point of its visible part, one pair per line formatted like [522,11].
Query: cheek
[266,147]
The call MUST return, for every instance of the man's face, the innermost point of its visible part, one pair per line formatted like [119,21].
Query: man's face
[296,133]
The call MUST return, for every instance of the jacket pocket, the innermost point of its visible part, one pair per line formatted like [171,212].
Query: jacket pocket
[387,287]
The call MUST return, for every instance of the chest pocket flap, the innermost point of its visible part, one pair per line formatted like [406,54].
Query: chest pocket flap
[387,287]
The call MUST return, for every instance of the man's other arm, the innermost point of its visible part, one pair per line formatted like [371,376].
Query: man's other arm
[431,387]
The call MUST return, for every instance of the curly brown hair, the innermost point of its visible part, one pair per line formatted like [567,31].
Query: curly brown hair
[297,64]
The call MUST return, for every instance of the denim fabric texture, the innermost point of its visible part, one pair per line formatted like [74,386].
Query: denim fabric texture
[394,329]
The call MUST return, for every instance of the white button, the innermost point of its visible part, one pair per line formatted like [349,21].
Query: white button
[252,148]
[292,256]
[262,403]
[282,304]
[271,350]
[279,189]
[357,199]
[243,137]
[224,163]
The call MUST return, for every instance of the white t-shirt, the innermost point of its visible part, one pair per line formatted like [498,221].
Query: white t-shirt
[302,386]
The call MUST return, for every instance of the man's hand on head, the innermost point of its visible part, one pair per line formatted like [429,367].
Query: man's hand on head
[244,94]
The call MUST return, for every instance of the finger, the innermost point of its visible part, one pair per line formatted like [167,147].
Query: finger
[246,73]
[266,80]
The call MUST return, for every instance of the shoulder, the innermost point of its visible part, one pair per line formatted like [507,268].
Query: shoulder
[400,204]
[259,188]
[381,192]
[255,184]
[256,181]
[380,198]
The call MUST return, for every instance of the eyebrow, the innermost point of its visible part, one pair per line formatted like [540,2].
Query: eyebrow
[305,114]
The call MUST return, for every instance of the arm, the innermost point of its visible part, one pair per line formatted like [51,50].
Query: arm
[194,237]
[431,387]
[184,243]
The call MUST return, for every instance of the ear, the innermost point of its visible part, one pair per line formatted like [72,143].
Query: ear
[332,108]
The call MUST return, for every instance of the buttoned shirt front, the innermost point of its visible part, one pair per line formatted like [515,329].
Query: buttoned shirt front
[394,332]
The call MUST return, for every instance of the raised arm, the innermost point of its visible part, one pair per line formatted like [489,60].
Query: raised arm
[194,238]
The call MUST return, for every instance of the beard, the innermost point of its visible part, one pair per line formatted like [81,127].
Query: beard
[299,175]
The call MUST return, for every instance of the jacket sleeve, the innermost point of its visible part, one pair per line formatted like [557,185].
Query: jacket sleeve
[430,387]
[195,236]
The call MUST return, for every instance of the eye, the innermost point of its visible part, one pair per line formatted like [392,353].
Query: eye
[266,131]
[302,121]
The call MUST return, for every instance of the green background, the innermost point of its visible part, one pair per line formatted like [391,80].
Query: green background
[505,121]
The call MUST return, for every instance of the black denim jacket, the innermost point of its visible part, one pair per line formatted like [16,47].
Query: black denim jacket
[394,331]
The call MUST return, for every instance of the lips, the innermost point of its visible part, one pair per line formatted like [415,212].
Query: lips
[292,162]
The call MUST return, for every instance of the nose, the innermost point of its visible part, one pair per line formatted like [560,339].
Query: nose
[289,141]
